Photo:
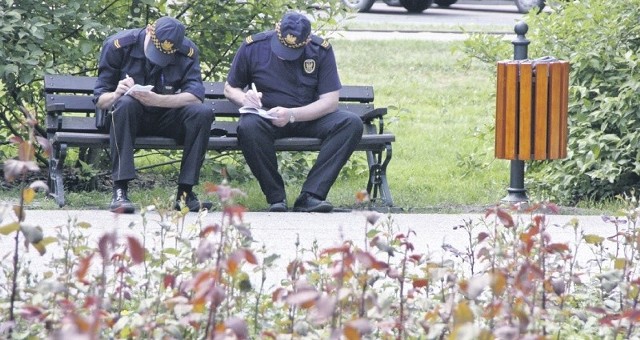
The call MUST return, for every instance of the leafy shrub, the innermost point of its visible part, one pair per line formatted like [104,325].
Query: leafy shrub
[65,38]
[207,280]
[600,39]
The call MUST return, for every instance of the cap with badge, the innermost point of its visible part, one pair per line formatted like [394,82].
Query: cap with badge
[293,33]
[166,36]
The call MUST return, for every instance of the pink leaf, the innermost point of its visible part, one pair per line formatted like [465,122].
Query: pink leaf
[238,326]
[136,250]
[300,298]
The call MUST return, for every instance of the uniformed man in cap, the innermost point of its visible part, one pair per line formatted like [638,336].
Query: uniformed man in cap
[158,55]
[293,74]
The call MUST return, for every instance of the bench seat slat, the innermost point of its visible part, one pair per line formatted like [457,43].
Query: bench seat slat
[368,142]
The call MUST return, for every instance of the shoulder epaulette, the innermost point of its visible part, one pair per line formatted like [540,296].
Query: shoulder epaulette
[324,43]
[123,41]
[256,37]
[189,49]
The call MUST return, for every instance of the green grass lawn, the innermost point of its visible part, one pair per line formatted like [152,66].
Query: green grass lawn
[441,104]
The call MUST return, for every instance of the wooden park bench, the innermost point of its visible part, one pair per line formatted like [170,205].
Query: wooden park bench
[71,123]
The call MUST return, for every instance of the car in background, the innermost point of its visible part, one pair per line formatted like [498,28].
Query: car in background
[417,6]
[413,6]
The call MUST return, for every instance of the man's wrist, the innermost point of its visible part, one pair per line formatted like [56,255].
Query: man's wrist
[292,116]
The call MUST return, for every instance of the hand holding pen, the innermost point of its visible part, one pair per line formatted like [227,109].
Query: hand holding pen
[124,85]
[252,97]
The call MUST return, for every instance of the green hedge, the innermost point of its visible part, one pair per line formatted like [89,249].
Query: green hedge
[600,39]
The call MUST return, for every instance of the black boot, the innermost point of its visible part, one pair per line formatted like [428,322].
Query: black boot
[307,202]
[120,203]
[190,200]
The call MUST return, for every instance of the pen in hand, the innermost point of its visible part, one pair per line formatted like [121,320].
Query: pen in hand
[253,87]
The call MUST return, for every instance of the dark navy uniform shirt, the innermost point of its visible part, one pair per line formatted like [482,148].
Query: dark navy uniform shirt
[285,83]
[123,54]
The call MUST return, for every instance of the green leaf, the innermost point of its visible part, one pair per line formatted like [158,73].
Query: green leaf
[593,239]
[84,225]
[373,232]
[171,251]
[9,228]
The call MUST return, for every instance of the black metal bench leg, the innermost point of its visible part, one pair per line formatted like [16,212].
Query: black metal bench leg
[373,165]
[56,177]
[385,191]
[378,183]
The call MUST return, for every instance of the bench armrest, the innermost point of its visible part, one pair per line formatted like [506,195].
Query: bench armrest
[55,108]
[375,113]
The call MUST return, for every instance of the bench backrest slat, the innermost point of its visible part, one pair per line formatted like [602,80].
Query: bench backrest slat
[54,83]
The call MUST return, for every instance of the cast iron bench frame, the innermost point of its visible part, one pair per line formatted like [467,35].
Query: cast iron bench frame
[70,122]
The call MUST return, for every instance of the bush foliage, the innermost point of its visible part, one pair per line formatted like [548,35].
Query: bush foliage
[209,280]
[601,40]
[65,37]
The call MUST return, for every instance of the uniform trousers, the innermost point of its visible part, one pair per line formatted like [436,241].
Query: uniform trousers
[340,132]
[189,125]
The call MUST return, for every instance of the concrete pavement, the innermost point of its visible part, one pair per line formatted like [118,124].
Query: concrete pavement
[279,232]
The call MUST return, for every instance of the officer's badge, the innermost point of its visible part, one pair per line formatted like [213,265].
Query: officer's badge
[167,47]
[309,66]
[290,39]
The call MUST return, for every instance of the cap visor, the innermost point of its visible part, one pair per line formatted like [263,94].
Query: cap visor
[284,52]
[157,57]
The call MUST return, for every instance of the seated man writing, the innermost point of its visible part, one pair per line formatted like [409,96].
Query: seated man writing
[293,74]
[158,55]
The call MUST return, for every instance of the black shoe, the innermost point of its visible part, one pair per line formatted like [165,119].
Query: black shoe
[279,206]
[191,201]
[120,203]
[309,203]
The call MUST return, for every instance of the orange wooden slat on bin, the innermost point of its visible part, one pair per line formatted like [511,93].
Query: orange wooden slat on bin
[511,121]
[501,92]
[564,119]
[555,110]
[525,106]
[541,106]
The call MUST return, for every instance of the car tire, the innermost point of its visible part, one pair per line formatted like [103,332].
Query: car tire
[524,6]
[392,2]
[416,6]
[359,5]
[444,3]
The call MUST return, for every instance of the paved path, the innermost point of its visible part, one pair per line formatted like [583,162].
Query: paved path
[279,231]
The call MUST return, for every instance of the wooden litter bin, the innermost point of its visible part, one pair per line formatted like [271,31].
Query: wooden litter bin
[531,109]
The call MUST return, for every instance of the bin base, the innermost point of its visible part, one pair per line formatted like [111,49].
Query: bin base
[516,195]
